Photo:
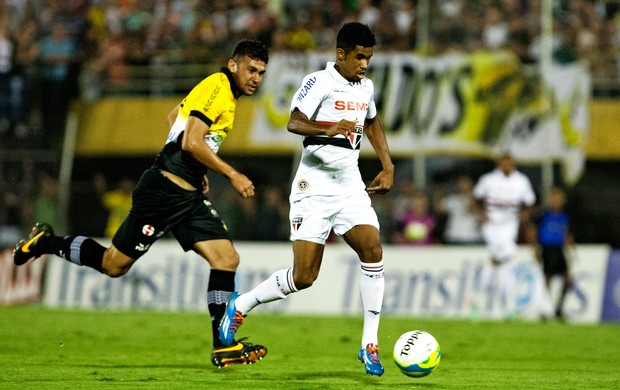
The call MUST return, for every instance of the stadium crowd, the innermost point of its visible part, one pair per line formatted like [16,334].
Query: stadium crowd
[54,51]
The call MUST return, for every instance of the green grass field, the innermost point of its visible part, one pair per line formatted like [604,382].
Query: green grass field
[61,349]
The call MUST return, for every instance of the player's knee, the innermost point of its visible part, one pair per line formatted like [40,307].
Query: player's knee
[114,271]
[303,281]
[231,262]
[372,254]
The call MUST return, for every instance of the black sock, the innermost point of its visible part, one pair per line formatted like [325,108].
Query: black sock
[221,286]
[77,249]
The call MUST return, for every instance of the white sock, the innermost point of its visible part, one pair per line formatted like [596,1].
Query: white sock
[372,285]
[278,286]
[507,286]
[486,282]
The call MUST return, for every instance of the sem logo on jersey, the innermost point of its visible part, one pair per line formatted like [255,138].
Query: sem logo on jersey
[341,105]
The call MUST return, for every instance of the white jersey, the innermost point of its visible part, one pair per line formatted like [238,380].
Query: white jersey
[329,165]
[503,196]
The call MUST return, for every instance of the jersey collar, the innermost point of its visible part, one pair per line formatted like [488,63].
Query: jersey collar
[331,69]
[233,86]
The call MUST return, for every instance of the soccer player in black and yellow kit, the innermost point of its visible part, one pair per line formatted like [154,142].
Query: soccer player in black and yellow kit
[169,196]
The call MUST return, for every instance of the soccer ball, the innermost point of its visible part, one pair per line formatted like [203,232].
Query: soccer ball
[417,353]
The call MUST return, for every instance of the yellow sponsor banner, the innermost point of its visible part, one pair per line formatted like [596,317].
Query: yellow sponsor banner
[124,125]
[604,140]
[458,104]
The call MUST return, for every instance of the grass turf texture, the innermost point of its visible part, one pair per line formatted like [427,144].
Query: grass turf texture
[63,349]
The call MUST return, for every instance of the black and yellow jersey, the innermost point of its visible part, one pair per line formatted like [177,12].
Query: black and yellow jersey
[213,101]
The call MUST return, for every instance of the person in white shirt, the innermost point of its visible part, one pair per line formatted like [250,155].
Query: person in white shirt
[505,198]
[462,220]
[332,110]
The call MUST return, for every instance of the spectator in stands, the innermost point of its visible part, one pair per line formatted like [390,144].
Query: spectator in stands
[57,52]
[459,208]
[405,190]
[495,32]
[238,214]
[417,225]
[118,204]
[26,78]
[46,206]
[272,216]
[91,204]
[6,67]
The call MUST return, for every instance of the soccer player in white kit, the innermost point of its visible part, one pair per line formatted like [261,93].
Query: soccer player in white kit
[505,197]
[333,109]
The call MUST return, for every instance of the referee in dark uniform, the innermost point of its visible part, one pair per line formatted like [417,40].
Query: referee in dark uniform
[552,237]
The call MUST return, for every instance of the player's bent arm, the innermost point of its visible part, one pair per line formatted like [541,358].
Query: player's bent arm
[384,181]
[299,123]
[194,144]
[377,139]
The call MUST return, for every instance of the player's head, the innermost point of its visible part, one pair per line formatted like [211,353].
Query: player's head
[248,64]
[506,163]
[557,198]
[354,47]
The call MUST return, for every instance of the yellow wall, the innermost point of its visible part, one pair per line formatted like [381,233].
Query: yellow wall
[604,140]
[137,126]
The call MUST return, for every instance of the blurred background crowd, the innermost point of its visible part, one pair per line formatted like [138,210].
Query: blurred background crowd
[55,51]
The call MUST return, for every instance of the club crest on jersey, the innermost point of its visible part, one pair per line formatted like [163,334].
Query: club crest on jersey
[296,224]
[148,230]
[356,138]
[303,184]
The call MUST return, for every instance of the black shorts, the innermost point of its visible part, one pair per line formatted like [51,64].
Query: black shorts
[554,260]
[159,206]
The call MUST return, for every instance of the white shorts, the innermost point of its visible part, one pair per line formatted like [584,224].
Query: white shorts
[312,218]
[501,239]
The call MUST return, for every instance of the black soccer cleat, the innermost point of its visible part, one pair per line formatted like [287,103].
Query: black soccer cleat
[239,353]
[31,247]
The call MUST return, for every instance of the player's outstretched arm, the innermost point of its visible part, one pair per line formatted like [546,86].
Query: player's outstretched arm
[385,179]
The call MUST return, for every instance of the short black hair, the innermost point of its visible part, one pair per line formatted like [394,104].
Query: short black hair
[355,34]
[252,48]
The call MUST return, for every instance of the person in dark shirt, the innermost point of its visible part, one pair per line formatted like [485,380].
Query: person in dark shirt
[552,238]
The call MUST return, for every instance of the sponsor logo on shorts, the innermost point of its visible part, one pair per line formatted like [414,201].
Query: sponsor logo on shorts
[303,184]
[148,230]
[296,224]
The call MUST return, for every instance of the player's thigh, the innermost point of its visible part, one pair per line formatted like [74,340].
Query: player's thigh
[204,231]
[311,218]
[355,210]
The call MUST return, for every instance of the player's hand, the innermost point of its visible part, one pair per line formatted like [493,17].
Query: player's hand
[382,183]
[343,127]
[242,184]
